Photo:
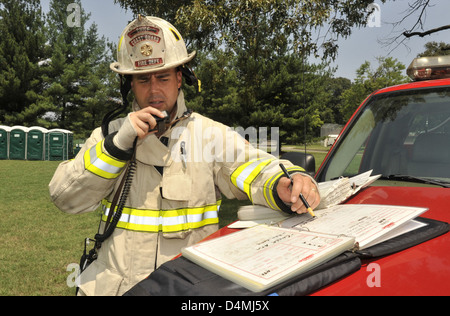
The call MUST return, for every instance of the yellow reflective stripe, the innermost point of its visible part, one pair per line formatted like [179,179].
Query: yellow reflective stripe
[268,191]
[295,169]
[120,44]
[243,176]
[166,221]
[101,164]
[269,187]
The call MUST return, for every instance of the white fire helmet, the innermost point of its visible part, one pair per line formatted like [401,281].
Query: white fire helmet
[150,44]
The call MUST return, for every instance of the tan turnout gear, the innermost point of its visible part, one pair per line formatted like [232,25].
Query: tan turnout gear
[164,212]
[175,196]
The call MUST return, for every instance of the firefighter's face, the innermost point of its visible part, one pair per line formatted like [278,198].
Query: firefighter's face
[158,90]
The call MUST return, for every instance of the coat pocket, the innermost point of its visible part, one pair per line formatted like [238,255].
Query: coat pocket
[98,280]
[176,187]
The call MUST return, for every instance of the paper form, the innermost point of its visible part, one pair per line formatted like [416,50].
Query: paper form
[261,256]
[331,192]
[336,191]
[365,222]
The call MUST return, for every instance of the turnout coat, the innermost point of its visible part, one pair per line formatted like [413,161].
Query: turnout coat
[175,195]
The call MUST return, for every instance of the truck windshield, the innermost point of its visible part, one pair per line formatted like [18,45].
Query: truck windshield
[404,133]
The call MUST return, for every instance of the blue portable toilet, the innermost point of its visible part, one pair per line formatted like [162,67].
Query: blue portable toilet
[18,143]
[4,142]
[36,143]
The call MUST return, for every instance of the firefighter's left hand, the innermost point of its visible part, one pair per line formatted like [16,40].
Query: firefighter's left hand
[302,184]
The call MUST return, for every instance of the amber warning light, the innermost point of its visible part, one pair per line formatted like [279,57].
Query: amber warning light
[428,68]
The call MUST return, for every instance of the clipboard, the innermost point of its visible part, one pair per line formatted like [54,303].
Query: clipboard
[182,277]
[431,229]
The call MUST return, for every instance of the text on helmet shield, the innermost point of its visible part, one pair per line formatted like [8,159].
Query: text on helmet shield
[143,29]
[148,62]
[145,37]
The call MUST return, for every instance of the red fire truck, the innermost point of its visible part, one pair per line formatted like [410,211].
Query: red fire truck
[403,133]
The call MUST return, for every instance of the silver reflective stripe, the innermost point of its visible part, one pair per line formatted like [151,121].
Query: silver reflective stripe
[246,173]
[100,164]
[128,218]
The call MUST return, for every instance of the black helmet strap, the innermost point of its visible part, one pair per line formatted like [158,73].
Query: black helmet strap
[125,87]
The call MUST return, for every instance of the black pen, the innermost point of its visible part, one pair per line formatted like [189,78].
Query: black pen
[183,154]
[308,208]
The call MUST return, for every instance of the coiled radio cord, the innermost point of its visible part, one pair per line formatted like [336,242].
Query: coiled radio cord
[124,191]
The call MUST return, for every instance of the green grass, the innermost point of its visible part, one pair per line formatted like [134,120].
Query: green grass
[37,241]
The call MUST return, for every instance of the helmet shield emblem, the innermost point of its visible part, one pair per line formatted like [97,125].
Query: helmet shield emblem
[145,44]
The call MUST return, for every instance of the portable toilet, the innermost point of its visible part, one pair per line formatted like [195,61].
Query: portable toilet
[36,143]
[18,143]
[70,146]
[59,141]
[4,142]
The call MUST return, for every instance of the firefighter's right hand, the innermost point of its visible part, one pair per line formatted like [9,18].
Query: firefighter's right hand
[136,124]
[144,120]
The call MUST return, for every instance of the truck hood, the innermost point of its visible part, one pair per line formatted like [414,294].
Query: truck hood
[420,270]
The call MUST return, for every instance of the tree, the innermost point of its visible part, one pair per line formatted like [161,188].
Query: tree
[333,112]
[22,50]
[254,55]
[166,9]
[98,93]
[421,6]
[214,23]
[435,49]
[412,24]
[288,96]
[78,83]
[388,73]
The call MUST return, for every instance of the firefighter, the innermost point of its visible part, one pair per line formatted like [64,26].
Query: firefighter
[180,171]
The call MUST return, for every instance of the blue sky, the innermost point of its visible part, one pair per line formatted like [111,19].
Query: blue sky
[362,45]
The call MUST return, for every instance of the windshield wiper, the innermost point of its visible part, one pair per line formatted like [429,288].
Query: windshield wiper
[409,178]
